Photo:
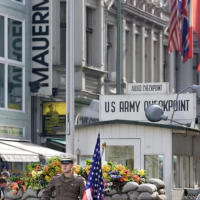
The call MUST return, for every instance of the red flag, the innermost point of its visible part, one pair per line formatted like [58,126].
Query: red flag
[186,38]
[196,22]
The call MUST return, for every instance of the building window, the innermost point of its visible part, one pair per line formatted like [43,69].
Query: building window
[2,90]
[2,36]
[110,54]
[14,87]
[14,40]
[138,55]
[183,168]
[11,63]
[153,164]
[195,66]
[147,58]
[89,36]
[156,59]
[120,155]
[128,56]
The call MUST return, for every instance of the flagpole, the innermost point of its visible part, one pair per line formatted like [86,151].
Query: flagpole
[118,63]
[70,77]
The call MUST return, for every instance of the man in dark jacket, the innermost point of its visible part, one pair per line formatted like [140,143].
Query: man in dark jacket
[67,186]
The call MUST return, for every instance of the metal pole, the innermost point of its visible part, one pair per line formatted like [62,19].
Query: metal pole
[118,63]
[70,77]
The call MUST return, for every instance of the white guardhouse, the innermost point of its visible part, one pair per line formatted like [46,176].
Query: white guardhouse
[168,152]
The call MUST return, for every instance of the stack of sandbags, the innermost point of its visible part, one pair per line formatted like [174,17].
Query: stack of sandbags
[154,189]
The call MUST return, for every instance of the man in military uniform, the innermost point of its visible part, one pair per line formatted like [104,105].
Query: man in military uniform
[67,186]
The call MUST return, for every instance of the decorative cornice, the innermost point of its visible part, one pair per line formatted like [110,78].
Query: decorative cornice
[144,15]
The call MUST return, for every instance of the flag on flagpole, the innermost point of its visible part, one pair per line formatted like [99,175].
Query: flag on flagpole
[174,32]
[196,22]
[180,29]
[95,185]
[186,38]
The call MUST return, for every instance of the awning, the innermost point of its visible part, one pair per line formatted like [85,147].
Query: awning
[56,143]
[11,154]
[33,148]
[59,141]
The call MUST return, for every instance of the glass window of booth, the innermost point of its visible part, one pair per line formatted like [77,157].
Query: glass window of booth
[120,155]
[153,164]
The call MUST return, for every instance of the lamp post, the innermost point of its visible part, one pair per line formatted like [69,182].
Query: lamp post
[70,77]
[154,113]
[118,61]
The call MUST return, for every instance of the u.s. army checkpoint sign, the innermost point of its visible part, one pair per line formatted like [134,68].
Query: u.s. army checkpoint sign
[132,107]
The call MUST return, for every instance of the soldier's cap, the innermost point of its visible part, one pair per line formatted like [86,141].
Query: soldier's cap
[65,159]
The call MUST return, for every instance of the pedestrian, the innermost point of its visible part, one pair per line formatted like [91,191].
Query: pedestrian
[5,174]
[67,186]
[3,184]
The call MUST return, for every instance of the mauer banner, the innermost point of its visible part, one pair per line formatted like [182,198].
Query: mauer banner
[42,45]
[132,107]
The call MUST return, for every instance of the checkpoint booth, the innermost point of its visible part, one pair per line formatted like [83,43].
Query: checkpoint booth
[165,150]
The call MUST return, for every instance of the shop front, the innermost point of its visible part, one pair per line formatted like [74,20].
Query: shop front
[15,155]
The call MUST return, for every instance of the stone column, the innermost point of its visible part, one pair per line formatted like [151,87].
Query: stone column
[100,42]
[161,56]
[184,74]
[143,53]
[123,55]
[133,53]
[152,55]
[172,72]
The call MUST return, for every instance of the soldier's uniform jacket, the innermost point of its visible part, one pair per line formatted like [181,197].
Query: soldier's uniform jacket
[66,189]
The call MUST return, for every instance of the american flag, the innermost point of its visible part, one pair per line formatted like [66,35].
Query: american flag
[174,31]
[95,185]
[180,29]
[186,48]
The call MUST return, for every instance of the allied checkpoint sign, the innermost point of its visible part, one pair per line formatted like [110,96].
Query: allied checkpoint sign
[132,107]
[147,88]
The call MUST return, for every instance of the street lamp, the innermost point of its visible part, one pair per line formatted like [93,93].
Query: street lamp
[154,113]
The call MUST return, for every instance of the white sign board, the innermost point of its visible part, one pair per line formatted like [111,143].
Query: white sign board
[42,45]
[147,88]
[132,107]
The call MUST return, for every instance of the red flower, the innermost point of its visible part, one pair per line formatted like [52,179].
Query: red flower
[137,179]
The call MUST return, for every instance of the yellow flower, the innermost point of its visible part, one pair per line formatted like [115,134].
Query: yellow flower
[34,174]
[105,175]
[39,173]
[106,168]
[120,167]
[87,169]
[141,172]
[77,169]
[48,178]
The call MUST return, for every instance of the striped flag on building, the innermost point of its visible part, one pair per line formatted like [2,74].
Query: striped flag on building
[174,31]
[186,48]
[180,29]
